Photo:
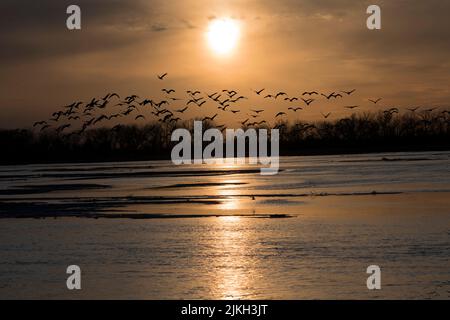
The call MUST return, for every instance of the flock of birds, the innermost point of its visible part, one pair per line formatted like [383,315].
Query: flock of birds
[89,114]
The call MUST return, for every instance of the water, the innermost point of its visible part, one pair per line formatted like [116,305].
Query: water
[210,232]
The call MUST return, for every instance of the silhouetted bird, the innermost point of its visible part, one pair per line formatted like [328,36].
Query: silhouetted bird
[194,101]
[161,77]
[182,110]
[159,104]
[45,127]
[62,128]
[210,118]
[349,92]
[375,101]
[328,96]
[308,101]
[193,93]
[113,95]
[310,93]
[39,123]
[391,111]
[211,96]
[146,102]
[101,118]
[332,95]
[130,99]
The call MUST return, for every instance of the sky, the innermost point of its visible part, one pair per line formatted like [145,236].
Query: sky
[288,45]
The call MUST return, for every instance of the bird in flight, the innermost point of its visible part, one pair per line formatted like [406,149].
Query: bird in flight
[308,101]
[161,103]
[161,77]
[258,92]
[39,123]
[280,94]
[257,111]
[375,101]
[168,91]
[332,95]
[146,102]
[61,128]
[45,127]
[351,107]
[290,99]
[295,109]
[210,118]
[239,98]
[139,117]
[326,115]
[391,111]
[309,93]
[182,110]
[279,114]
[230,93]
[113,95]
[349,92]
[193,93]
[244,122]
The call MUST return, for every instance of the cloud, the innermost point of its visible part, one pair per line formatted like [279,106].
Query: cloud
[284,43]
[159,28]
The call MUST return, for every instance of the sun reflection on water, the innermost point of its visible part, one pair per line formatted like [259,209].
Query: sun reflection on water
[230,190]
[231,277]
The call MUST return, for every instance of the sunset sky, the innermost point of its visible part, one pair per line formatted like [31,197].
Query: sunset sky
[289,45]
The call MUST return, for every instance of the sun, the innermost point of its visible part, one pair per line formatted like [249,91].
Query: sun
[223,35]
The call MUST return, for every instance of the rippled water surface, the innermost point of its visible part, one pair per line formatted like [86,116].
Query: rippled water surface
[151,230]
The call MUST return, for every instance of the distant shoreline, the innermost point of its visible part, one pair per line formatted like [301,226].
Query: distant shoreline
[365,133]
